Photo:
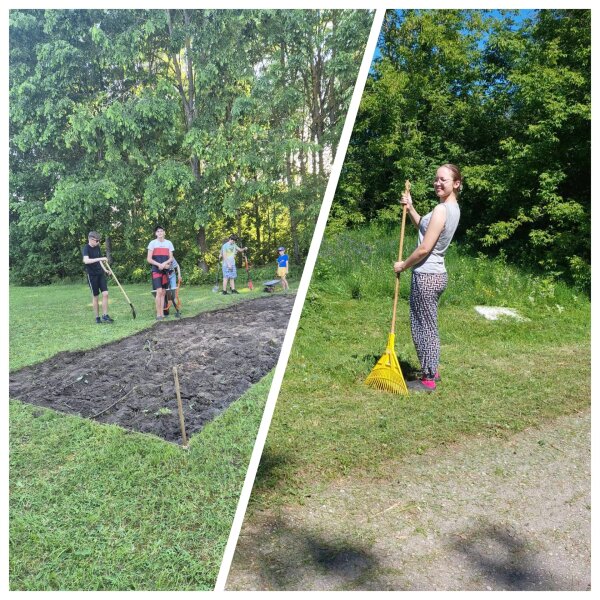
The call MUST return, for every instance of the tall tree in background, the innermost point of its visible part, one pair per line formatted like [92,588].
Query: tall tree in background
[508,100]
[207,121]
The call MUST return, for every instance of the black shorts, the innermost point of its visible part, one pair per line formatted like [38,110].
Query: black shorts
[97,283]
[160,279]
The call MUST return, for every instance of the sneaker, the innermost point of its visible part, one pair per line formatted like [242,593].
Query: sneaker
[160,318]
[99,320]
[437,377]
[107,319]
[421,385]
[178,315]
[234,292]
[224,292]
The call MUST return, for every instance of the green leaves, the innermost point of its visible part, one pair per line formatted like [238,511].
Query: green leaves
[208,121]
[506,96]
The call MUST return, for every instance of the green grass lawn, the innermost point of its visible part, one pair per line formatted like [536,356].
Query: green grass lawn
[498,376]
[94,507]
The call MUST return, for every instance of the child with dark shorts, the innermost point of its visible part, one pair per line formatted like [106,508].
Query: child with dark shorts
[92,257]
[160,256]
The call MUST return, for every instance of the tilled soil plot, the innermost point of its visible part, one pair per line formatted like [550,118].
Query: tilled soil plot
[218,354]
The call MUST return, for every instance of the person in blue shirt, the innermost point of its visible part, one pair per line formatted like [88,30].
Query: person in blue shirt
[282,267]
[174,275]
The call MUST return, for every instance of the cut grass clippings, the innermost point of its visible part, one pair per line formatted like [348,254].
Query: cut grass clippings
[498,377]
[94,507]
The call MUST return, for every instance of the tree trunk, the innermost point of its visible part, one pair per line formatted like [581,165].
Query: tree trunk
[257,227]
[294,232]
[201,241]
[188,100]
[331,93]
[201,233]
[108,248]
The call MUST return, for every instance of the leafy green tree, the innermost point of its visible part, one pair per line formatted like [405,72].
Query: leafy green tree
[507,99]
[205,121]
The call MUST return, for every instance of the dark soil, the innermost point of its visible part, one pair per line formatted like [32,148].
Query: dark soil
[218,354]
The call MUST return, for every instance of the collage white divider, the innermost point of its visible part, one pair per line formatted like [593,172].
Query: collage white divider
[299,302]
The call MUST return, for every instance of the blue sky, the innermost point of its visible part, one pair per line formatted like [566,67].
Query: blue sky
[519,17]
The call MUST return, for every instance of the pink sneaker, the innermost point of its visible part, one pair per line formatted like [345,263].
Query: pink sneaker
[437,377]
[421,385]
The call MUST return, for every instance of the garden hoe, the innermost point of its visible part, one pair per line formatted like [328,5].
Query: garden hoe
[386,374]
[109,271]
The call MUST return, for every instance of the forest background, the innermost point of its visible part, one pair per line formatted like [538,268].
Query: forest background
[207,122]
[506,95]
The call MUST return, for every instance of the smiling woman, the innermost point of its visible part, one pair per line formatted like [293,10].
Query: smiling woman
[429,280]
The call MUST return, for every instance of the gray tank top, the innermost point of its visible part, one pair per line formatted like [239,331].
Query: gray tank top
[434,263]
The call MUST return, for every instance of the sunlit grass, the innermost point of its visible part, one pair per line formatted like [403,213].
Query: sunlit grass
[498,376]
[94,507]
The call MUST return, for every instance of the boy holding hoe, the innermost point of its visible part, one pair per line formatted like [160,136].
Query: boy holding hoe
[92,257]
[174,279]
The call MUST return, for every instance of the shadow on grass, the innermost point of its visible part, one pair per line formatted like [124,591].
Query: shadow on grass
[409,371]
[505,560]
[272,465]
[299,560]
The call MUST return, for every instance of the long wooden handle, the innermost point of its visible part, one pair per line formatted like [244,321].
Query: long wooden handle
[108,270]
[397,289]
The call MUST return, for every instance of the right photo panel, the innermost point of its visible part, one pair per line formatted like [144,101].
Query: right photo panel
[432,431]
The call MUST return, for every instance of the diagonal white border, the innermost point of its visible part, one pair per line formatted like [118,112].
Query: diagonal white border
[317,237]
[299,302]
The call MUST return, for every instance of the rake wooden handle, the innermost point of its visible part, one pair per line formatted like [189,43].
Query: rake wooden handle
[109,271]
[397,290]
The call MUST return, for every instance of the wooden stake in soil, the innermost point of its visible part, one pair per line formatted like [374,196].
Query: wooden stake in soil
[180,407]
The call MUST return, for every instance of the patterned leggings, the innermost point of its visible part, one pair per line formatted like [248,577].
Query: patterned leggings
[425,292]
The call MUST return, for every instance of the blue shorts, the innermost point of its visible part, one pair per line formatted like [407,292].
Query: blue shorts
[229,272]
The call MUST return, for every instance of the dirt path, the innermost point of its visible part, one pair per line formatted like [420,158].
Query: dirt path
[486,514]
[219,355]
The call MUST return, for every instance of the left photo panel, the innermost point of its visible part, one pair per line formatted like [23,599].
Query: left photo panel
[166,171]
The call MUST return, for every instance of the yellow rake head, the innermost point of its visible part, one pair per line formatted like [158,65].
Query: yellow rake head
[386,374]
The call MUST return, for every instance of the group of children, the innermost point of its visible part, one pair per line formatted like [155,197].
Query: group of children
[166,273]
[227,255]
